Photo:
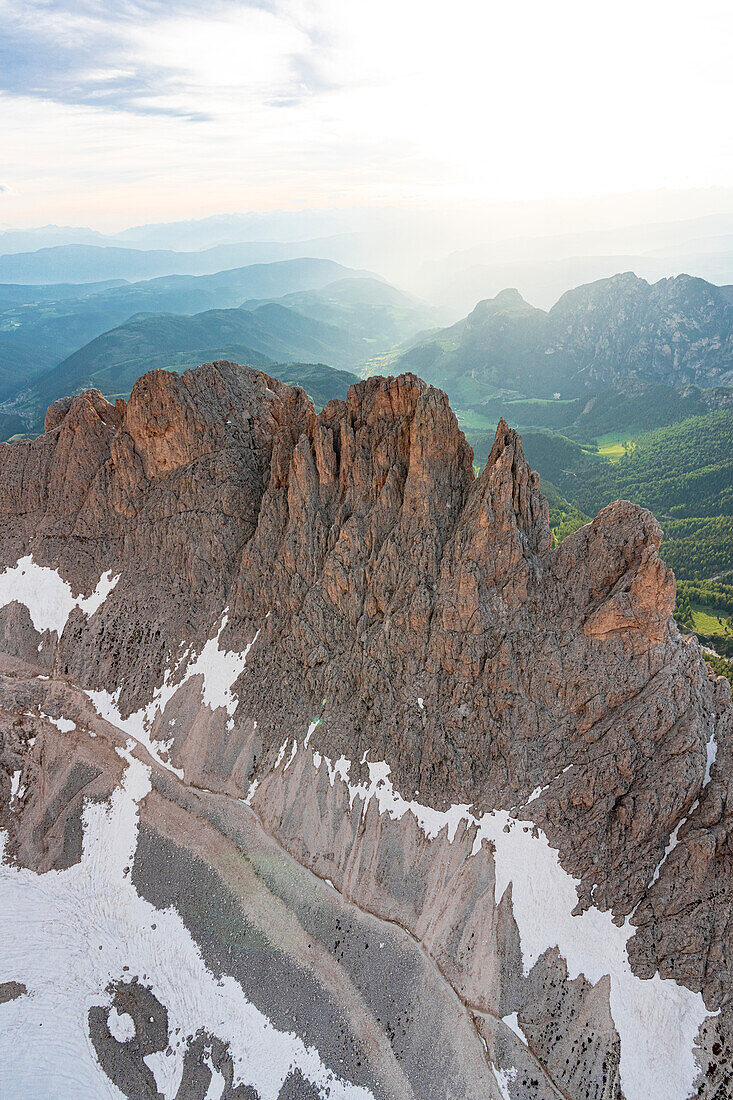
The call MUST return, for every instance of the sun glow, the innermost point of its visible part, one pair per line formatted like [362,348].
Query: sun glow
[319,103]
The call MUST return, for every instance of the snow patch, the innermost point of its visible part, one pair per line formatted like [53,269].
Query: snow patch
[105,584]
[652,1016]
[504,1077]
[121,1025]
[63,724]
[16,791]
[712,752]
[47,595]
[219,669]
[167,1069]
[80,927]
[292,755]
[672,843]
[309,734]
[390,801]
[217,1084]
[536,793]
[512,1021]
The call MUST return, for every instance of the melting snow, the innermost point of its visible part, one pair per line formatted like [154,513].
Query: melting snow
[536,793]
[121,1025]
[652,1016]
[217,1083]
[219,668]
[63,724]
[512,1021]
[672,843]
[80,926]
[712,752]
[309,734]
[16,791]
[47,595]
[504,1077]
[167,1070]
[292,755]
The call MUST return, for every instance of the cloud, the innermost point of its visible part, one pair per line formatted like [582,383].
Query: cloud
[87,52]
[161,57]
[326,102]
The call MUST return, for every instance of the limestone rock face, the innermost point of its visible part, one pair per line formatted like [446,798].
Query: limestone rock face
[375,707]
[620,333]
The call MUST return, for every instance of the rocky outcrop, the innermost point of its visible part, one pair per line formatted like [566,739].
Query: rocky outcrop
[283,605]
[620,333]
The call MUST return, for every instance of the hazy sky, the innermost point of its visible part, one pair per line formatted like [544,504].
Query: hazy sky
[119,111]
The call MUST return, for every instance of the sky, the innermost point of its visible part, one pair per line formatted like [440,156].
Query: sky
[116,113]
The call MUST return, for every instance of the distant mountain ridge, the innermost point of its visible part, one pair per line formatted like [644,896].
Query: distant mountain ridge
[271,333]
[343,324]
[82,263]
[617,333]
[369,308]
[18,294]
[35,338]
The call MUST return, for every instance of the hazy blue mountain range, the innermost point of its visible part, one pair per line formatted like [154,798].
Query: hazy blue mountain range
[374,310]
[194,234]
[627,359]
[46,236]
[89,263]
[17,294]
[341,324]
[259,337]
[544,267]
[36,337]
[451,257]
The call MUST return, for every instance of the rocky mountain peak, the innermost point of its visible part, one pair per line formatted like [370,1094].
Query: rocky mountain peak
[350,705]
[509,297]
[516,488]
[508,301]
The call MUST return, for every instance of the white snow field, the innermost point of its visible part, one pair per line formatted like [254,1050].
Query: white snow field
[219,669]
[66,934]
[47,595]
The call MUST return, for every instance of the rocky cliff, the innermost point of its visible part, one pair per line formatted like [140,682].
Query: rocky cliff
[323,774]
[620,333]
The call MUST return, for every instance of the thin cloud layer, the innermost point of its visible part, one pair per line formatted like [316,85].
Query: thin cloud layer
[111,57]
[147,110]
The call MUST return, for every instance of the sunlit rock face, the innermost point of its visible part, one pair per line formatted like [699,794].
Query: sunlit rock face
[619,333]
[323,774]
